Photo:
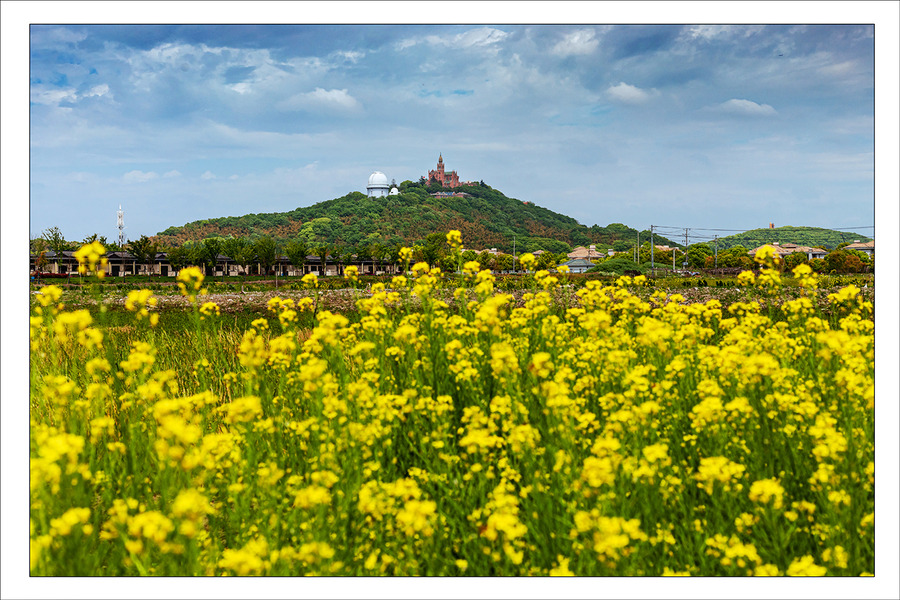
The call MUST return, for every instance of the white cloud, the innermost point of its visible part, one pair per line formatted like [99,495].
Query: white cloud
[52,95]
[577,42]
[233,177]
[172,174]
[97,90]
[52,37]
[350,55]
[139,176]
[241,88]
[709,32]
[746,107]
[630,94]
[320,98]
[208,175]
[481,36]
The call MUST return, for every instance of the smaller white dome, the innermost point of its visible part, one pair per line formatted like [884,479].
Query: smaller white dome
[394,191]
[378,179]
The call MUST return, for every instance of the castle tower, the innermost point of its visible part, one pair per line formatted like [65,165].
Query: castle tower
[440,175]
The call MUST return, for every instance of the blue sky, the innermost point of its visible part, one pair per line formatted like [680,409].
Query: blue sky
[689,126]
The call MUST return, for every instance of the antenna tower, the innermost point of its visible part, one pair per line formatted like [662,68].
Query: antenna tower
[121,227]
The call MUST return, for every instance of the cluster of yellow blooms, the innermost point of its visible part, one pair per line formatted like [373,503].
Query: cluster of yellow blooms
[619,436]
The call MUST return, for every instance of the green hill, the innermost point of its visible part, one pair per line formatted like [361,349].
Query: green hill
[815,237]
[487,219]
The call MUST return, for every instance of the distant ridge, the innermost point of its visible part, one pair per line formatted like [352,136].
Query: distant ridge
[486,217]
[816,237]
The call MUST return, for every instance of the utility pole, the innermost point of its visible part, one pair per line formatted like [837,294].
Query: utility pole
[637,254]
[684,263]
[717,251]
[652,265]
[514,251]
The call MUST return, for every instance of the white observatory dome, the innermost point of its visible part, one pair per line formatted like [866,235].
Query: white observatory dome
[394,192]
[378,178]
[378,185]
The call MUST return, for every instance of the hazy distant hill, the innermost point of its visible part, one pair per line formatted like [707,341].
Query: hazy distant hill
[826,239]
[487,219]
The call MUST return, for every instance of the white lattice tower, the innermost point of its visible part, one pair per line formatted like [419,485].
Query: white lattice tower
[121,227]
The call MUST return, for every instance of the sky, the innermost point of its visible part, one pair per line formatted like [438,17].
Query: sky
[700,126]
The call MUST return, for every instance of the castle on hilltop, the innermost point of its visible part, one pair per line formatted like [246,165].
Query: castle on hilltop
[439,175]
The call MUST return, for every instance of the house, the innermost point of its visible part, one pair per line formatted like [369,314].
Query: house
[867,247]
[582,252]
[787,248]
[578,265]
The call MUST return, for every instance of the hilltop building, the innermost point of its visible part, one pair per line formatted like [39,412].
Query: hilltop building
[377,186]
[446,179]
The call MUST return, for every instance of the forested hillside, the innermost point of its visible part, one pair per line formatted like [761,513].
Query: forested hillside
[827,239]
[487,219]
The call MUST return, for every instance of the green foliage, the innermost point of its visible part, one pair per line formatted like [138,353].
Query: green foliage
[240,250]
[487,219]
[815,237]
[56,241]
[266,252]
[144,251]
[696,255]
[209,252]
[793,260]
[179,257]
[845,261]
[297,252]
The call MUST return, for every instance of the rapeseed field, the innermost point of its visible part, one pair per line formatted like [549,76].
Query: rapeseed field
[612,436]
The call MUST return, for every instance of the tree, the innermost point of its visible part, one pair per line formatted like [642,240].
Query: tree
[209,253]
[364,253]
[337,253]
[297,251]
[349,255]
[95,238]
[622,245]
[817,265]
[178,257]
[40,250]
[322,252]
[266,252]
[144,251]
[504,262]
[793,260]
[433,248]
[380,253]
[545,261]
[240,250]
[696,255]
[56,242]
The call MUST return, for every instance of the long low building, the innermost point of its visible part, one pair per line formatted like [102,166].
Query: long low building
[120,264]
